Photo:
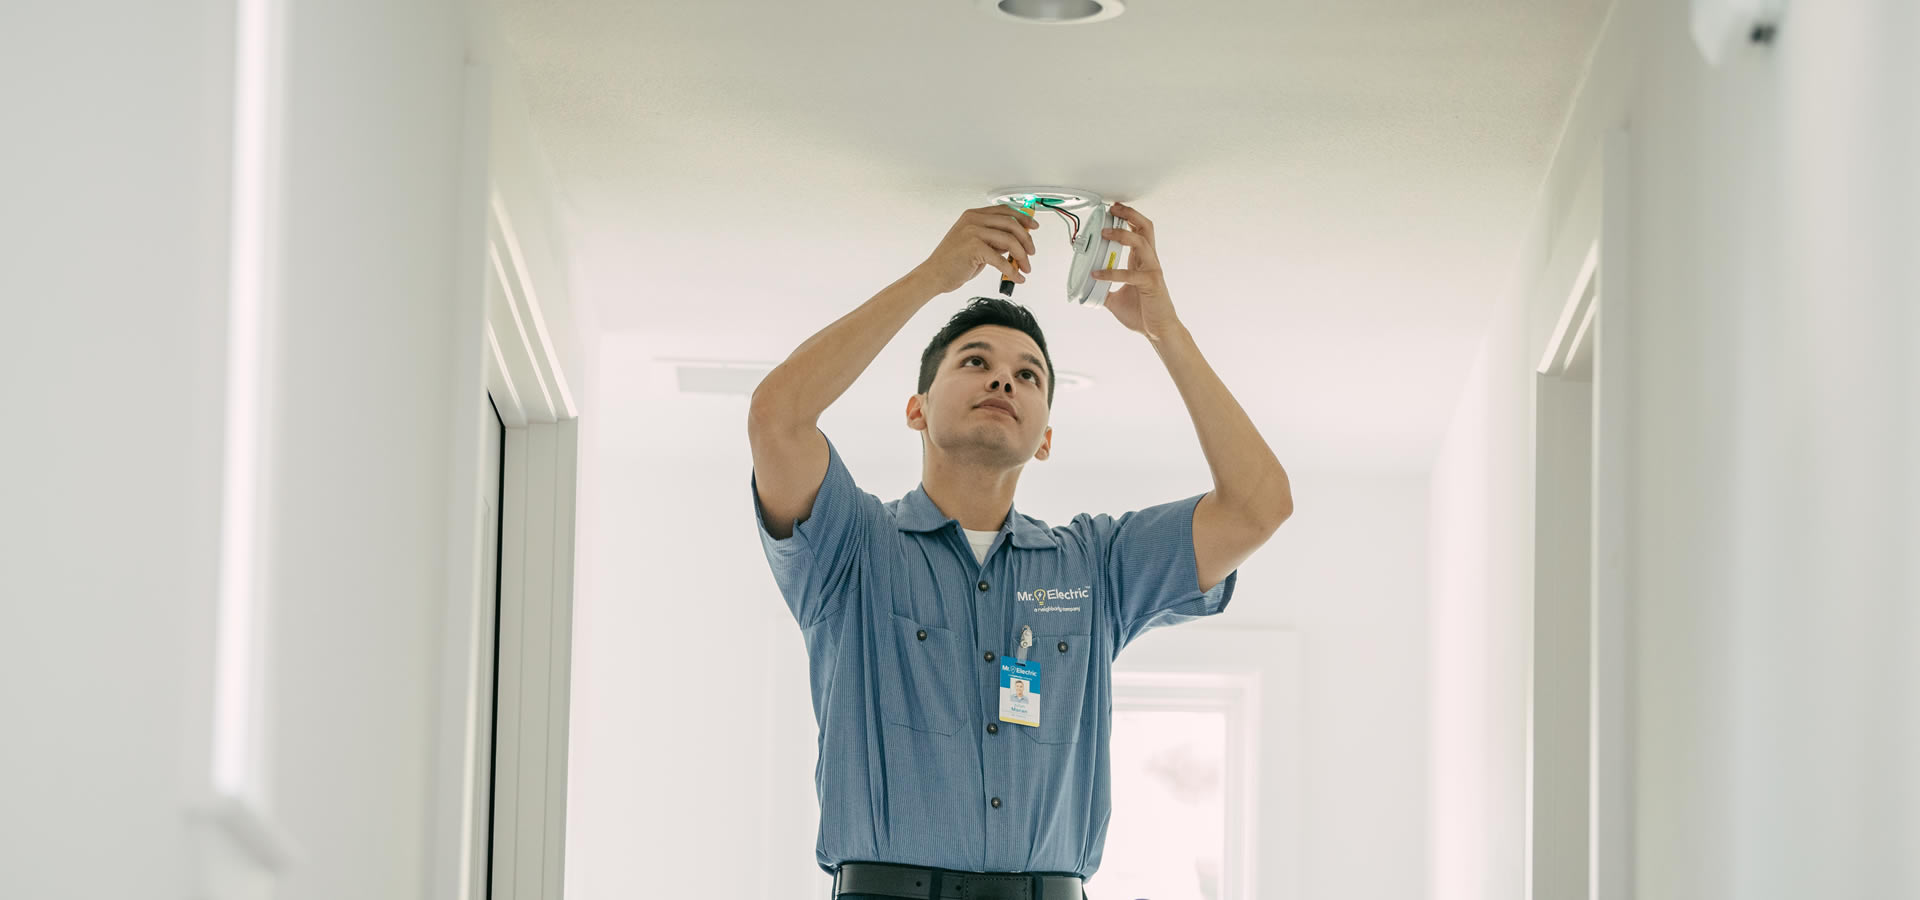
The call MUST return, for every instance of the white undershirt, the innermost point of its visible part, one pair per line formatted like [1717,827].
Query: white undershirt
[981,541]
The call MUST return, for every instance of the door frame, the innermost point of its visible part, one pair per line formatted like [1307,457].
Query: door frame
[1598,308]
[1559,759]
[501,757]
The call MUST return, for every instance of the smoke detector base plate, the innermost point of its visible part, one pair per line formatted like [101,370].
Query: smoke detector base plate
[1067,198]
[1092,250]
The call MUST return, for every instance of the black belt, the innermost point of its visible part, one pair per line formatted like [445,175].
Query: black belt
[912,883]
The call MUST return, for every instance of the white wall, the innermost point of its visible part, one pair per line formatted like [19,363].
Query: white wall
[375,96]
[1770,495]
[682,580]
[111,288]
[116,249]
[1350,576]
[1477,693]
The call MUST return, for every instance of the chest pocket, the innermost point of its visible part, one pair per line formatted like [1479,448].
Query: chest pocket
[924,687]
[1064,652]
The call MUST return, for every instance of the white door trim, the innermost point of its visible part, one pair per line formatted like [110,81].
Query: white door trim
[503,742]
[1594,324]
[1559,759]
[535,656]
[536,583]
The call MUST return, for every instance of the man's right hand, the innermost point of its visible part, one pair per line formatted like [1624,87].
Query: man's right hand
[789,452]
[993,236]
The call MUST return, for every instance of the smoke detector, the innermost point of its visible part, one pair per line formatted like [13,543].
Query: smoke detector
[1053,12]
[1088,215]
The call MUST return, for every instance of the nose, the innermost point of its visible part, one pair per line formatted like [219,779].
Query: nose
[997,385]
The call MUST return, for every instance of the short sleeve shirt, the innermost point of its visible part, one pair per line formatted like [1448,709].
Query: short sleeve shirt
[899,620]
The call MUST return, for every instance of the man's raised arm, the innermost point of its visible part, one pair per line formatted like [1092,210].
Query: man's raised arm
[1252,495]
[789,454]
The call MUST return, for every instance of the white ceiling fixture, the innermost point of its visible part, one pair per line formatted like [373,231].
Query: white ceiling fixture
[1053,12]
[1721,26]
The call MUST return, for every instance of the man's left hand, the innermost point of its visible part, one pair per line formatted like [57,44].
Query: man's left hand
[1141,303]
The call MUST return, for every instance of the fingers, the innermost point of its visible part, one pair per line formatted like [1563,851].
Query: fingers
[1013,223]
[1125,276]
[995,243]
[1143,256]
[1133,217]
[1023,217]
[1133,239]
[1008,209]
[1002,242]
[1002,209]
[1008,270]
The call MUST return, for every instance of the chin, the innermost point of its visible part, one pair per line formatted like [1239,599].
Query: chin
[986,445]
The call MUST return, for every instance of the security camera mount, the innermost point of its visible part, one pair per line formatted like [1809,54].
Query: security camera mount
[1089,215]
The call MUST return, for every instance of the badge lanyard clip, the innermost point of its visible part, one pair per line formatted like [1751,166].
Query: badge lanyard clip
[1026,640]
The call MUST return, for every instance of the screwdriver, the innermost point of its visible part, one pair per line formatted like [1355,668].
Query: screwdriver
[1006,284]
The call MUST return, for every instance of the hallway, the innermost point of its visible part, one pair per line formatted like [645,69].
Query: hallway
[380,468]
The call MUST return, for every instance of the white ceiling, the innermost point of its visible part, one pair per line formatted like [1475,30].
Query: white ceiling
[1340,187]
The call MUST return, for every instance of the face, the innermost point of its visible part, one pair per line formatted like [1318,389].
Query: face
[1019,688]
[988,401]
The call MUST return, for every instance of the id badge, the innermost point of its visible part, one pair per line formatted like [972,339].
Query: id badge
[1020,692]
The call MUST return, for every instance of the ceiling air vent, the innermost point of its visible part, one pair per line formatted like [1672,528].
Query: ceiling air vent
[695,376]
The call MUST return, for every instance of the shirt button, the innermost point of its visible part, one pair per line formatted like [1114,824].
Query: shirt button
[996,803]
[1063,646]
[983,585]
[993,727]
[989,656]
[921,634]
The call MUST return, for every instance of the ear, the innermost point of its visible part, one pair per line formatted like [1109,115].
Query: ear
[1046,446]
[917,412]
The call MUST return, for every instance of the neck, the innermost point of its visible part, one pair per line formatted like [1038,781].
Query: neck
[976,496]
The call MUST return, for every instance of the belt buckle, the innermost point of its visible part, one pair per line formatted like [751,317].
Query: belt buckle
[996,887]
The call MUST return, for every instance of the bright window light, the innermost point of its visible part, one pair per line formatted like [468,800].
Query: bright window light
[250,282]
[1168,836]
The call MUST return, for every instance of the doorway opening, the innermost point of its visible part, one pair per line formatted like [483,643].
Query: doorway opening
[1559,761]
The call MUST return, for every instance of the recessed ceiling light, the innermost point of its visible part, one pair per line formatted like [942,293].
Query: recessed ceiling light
[1053,12]
[1069,382]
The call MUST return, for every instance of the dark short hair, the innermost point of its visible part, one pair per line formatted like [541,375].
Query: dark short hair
[983,311]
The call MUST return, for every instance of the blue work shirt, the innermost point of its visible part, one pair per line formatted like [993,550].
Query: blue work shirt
[899,617]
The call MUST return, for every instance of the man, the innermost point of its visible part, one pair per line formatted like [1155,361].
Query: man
[929,784]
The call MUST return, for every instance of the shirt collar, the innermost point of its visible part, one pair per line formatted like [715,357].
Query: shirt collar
[917,512]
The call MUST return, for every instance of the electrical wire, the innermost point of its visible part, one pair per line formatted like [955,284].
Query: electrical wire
[1054,203]
[1072,220]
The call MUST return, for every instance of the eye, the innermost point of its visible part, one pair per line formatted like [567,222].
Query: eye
[1030,375]
[973,358]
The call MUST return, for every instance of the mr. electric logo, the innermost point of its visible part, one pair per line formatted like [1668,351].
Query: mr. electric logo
[1040,597]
